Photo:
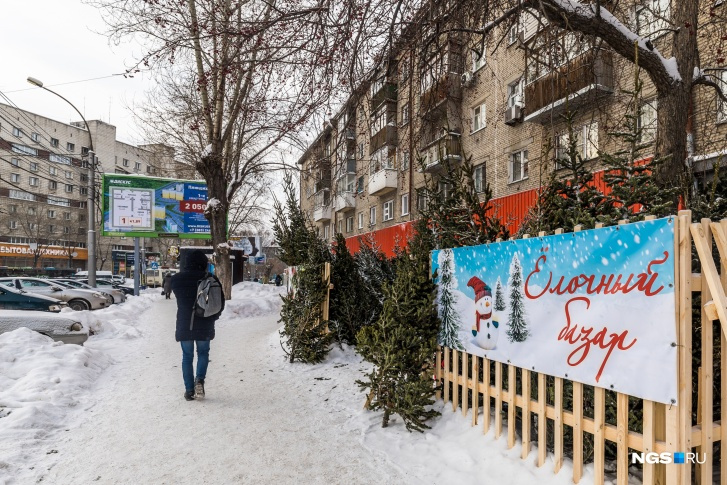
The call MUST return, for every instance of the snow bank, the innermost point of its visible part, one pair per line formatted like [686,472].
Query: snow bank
[251,299]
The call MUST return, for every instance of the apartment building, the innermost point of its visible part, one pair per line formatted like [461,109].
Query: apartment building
[44,177]
[501,103]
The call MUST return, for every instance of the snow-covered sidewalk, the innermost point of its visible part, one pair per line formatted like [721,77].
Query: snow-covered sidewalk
[117,415]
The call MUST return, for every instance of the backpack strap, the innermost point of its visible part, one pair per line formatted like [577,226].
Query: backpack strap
[196,295]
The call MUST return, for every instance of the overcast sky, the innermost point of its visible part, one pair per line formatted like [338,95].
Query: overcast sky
[56,41]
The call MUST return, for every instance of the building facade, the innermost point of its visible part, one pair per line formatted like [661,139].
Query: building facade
[510,105]
[44,183]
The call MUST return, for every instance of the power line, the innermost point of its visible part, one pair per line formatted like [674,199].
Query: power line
[80,81]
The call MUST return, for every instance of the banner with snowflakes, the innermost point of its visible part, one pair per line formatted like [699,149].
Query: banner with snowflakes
[596,306]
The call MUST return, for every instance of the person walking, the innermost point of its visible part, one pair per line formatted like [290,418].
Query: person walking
[199,331]
[167,285]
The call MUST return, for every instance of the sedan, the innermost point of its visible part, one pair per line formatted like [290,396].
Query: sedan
[63,328]
[117,296]
[76,298]
[110,285]
[12,299]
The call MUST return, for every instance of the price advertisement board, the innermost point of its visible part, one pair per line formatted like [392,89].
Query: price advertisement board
[139,206]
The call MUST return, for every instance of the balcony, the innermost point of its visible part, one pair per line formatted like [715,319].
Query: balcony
[322,213]
[447,148]
[344,201]
[382,182]
[434,98]
[386,92]
[583,80]
[385,136]
[322,185]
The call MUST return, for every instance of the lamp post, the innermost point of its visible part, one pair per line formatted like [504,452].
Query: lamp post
[91,241]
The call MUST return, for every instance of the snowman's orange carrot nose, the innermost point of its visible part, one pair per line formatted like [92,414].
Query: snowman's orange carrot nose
[487,303]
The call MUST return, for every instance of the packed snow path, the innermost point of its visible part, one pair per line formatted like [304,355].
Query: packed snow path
[253,426]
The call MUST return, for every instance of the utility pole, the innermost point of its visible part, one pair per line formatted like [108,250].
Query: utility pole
[91,217]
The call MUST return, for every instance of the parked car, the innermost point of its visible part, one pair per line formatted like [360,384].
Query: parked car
[109,284]
[76,298]
[117,296]
[104,275]
[63,327]
[13,299]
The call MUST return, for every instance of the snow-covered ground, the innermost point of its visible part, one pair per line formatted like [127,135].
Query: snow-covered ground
[112,411]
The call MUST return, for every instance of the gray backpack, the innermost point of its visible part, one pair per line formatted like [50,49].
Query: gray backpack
[209,298]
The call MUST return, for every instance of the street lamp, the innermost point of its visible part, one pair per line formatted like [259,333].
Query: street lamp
[91,242]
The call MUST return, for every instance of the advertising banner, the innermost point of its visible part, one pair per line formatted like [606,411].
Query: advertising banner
[139,206]
[596,307]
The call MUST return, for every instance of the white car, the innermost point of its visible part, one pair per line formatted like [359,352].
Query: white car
[77,299]
[58,326]
[117,296]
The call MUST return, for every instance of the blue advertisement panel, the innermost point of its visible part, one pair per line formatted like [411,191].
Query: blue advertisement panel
[596,307]
[140,206]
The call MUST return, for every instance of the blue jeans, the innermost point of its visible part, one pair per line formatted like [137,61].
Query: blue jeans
[203,359]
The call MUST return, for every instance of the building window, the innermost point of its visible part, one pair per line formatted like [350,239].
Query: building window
[478,118]
[15,162]
[360,151]
[15,178]
[52,171]
[722,109]
[388,210]
[13,208]
[34,166]
[51,214]
[647,121]
[17,132]
[67,216]
[360,220]
[378,120]
[69,175]
[125,163]
[405,114]
[148,169]
[349,223]
[23,149]
[512,34]
[60,201]
[52,184]
[35,137]
[70,146]
[84,177]
[372,215]
[19,194]
[405,158]
[33,181]
[325,231]
[405,204]
[83,190]
[51,228]
[586,140]
[478,60]
[652,18]
[54,142]
[360,185]
[31,211]
[13,224]
[339,226]
[66,230]
[518,166]
[59,159]
[479,178]
[82,217]
[84,151]
[137,166]
[422,200]
[515,92]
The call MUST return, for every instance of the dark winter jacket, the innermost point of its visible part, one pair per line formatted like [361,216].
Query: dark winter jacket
[168,283]
[184,286]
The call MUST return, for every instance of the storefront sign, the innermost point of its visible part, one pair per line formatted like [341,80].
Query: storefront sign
[54,252]
[595,306]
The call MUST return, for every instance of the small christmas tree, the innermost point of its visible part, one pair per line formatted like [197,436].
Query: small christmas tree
[401,345]
[290,227]
[374,270]
[446,302]
[499,296]
[347,312]
[517,330]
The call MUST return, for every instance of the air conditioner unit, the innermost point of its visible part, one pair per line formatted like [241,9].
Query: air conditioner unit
[468,78]
[513,115]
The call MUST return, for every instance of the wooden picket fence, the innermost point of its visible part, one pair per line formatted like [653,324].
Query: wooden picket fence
[469,382]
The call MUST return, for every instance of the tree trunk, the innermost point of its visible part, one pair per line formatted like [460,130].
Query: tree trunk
[217,216]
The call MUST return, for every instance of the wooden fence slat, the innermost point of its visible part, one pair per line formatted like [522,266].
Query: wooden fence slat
[577,431]
[622,425]
[438,371]
[498,400]
[542,421]
[446,374]
[475,388]
[648,426]
[526,413]
[599,444]
[486,395]
[723,362]
[455,379]
[709,272]
[558,421]
[465,383]
[705,469]
[511,390]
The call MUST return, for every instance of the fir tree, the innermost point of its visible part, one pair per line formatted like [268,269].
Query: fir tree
[517,330]
[499,297]
[374,270]
[401,345]
[290,227]
[447,301]
[347,312]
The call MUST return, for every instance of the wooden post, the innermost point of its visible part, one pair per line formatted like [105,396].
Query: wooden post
[622,434]
[525,375]
[465,383]
[498,400]
[722,231]
[649,439]
[558,424]
[599,444]
[475,388]
[438,371]
[706,394]
[577,419]
[511,388]
[485,395]
[446,374]
[455,379]
[542,421]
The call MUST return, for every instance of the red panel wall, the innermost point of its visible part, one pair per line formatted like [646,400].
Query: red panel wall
[386,238]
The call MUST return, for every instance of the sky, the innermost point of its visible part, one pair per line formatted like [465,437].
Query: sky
[61,43]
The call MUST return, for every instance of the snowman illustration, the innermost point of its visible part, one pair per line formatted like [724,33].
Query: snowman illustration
[486,327]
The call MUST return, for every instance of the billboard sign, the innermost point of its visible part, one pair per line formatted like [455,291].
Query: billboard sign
[140,206]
